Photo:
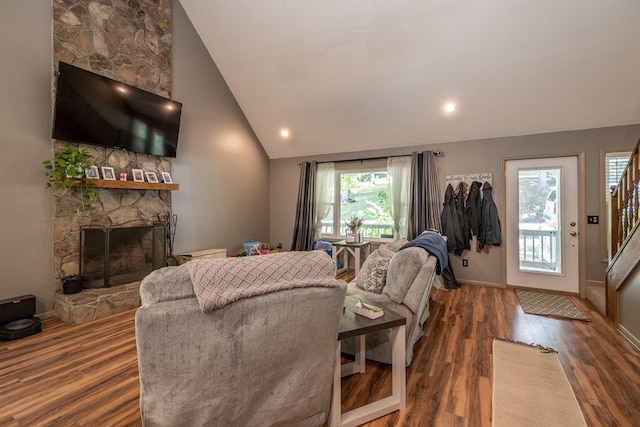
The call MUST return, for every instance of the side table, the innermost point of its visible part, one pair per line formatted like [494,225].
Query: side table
[354,325]
[359,251]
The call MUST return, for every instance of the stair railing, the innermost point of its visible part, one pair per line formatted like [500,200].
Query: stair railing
[625,203]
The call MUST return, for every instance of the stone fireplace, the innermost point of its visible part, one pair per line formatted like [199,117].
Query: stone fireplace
[129,41]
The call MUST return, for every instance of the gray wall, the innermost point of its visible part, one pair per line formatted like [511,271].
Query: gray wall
[476,157]
[628,304]
[26,224]
[221,167]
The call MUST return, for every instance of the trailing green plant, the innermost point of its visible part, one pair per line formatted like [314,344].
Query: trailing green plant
[67,170]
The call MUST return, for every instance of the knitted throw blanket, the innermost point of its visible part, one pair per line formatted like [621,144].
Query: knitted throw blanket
[221,281]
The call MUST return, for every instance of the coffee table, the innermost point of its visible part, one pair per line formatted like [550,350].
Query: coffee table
[354,325]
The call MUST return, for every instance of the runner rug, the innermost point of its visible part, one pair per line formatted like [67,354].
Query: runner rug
[531,389]
[546,304]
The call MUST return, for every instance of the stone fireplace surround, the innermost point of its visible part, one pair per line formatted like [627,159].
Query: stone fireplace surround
[115,208]
[129,41]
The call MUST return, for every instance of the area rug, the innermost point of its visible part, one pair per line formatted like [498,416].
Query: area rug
[546,304]
[531,389]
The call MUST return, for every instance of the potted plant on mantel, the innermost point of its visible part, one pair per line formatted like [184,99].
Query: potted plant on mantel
[68,170]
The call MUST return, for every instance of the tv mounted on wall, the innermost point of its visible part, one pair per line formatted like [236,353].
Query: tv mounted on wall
[94,109]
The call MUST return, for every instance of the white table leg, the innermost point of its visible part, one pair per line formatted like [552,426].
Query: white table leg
[359,353]
[336,397]
[398,398]
[357,366]
[398,368]
[336,251]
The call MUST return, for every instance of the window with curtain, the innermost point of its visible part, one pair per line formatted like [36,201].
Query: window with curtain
[364,189]
[614,165]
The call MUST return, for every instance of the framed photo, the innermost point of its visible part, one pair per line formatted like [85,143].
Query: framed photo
[92,173]
[138,175]
[166,177]
[108,173]
[151,177]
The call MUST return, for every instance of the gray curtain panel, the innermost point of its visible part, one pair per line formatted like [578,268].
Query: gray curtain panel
[304,228]
[425,203]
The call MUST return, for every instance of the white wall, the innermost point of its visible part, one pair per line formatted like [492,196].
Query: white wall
[26,225]
[476,157]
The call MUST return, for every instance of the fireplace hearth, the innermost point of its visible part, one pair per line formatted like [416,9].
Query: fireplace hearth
[118,256]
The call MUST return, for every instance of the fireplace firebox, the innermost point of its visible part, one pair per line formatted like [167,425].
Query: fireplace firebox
[118,256]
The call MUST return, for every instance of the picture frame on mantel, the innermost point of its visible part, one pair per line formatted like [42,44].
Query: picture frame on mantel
[152,177]
[138,175]
[108,173]
[93,173]
[166,177]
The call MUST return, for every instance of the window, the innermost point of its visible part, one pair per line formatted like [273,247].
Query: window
[614,165]
[362,191]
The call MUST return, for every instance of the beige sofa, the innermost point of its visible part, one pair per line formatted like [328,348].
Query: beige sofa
[406,278]
[207,358]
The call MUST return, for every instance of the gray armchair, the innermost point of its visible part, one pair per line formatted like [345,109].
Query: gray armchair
[262,360]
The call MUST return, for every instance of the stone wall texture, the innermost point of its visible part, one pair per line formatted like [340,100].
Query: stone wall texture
[129,41]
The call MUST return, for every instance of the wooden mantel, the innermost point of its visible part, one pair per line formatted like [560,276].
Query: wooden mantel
[133,185]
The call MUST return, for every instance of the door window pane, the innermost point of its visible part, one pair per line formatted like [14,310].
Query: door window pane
[539,213]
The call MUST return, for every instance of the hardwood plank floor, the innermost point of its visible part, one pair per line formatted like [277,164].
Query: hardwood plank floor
[87,375]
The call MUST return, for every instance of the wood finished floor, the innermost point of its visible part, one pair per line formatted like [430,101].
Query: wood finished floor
[87,375]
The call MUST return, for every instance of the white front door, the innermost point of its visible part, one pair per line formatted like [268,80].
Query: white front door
[542,223]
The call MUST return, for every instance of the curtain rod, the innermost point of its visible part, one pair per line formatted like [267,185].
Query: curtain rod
[437,153]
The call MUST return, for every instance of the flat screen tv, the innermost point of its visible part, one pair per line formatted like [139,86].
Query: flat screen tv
[94,109]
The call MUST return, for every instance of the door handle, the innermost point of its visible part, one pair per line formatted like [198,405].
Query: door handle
[573,233]
[573,224]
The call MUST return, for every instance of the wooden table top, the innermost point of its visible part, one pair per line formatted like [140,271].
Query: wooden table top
[352,244]
[352,324]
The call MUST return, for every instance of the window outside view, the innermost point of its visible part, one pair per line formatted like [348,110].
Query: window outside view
[615,164]
[363,195]
[539,213]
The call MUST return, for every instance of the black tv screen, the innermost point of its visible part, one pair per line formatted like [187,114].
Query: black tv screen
[94,109]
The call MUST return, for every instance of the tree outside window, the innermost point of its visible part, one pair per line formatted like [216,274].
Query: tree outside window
[362,194]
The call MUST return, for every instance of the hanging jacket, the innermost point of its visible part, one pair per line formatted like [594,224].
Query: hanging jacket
[473,204]
[450,225]
[464,218]
[490,233]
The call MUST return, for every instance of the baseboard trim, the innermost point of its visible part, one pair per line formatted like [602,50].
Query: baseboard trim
[46,315]
[479,283]
[597,283]
[629,336]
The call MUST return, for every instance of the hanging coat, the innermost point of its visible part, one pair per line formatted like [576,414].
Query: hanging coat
[490,233]
[450,225]
[473,204]
[463,213]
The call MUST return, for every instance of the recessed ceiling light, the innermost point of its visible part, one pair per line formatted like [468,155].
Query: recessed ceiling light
[450,107]
[284,133]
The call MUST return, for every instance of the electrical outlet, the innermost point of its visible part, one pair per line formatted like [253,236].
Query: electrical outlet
[465,263]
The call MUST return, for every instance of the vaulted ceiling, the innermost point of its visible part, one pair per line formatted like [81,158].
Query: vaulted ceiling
[351,75]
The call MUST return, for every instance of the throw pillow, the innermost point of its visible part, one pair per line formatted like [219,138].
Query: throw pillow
[389,249]
[373,274]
